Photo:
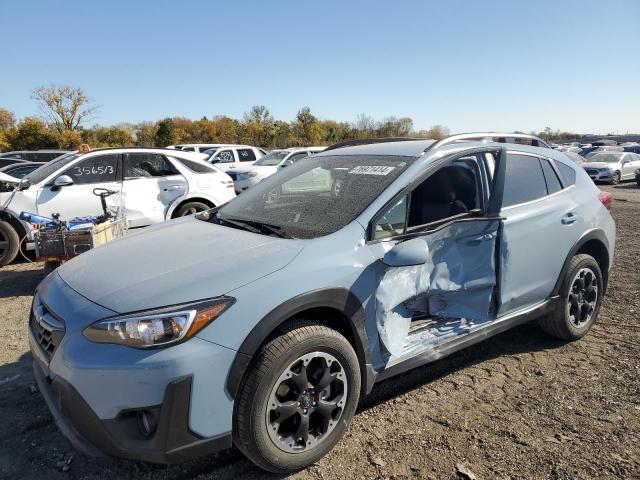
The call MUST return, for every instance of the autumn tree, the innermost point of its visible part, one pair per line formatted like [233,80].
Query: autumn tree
[64,107]
[165,133]
[32,134]
[7,119]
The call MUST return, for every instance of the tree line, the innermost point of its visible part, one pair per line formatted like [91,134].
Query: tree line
[65,111]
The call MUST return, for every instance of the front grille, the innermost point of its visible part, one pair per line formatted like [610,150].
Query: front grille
[48,330]
[591,171]
[234,176]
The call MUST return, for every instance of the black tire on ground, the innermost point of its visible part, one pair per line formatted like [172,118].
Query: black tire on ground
[615,179]
[9,243]
[190,208]
[264,379]
[563,324]
[50,266]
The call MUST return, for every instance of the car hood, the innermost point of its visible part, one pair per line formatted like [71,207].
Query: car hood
[176,262]
[598,165]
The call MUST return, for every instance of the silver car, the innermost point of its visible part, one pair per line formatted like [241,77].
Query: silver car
[262,323]
[612,167]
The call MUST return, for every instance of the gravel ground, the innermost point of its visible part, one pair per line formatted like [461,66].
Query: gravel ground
[520,405]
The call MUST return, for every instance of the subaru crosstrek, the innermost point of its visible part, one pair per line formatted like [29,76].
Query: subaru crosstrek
[262,322]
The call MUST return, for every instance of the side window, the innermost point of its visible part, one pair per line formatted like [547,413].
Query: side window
[195,166]
[567,173]
[294,158]
[452,190]
[393,222]
[225,156]
[137,165]
[553,183]
[246,155]
[524,180]
[95,169]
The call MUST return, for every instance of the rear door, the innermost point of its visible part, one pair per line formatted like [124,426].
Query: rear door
[78,200]
[224,159]
[541,224]
[629,165]
[150,185]
[451,214]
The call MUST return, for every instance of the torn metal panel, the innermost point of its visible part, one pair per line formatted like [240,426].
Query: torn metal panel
[456,281]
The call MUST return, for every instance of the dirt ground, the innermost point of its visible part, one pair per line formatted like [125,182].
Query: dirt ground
[520,405]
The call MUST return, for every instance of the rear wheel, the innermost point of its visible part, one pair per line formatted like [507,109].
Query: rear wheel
[615,179]
[190,208]
[9,243]
[298,398]
[581,294]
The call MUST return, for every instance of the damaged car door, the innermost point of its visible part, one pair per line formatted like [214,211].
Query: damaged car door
[439,275]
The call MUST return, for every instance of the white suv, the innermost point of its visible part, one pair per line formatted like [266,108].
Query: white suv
[231,156]
[249,175]
[153,185]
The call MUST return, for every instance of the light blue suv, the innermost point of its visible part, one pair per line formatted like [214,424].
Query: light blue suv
[261,324]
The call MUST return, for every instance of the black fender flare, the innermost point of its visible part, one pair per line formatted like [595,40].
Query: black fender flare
[594,234]
[339,299]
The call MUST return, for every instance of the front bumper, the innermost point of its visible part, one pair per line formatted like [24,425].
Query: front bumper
[172,440]
[97,391]
[600,176]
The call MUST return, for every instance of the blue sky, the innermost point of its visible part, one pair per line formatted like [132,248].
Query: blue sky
[470,65]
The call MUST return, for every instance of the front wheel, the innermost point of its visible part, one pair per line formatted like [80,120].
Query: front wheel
[615,179]
[581,293]
[9,243]
[298,398]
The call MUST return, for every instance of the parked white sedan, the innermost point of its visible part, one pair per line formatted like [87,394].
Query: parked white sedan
[247,176]
[152,185]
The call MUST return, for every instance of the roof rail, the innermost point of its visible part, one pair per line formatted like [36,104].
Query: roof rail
[489,137]
[367,141]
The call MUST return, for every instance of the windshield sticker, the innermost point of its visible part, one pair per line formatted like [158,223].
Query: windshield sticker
[371,170]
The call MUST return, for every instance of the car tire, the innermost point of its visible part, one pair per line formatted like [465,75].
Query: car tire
[615,179]
[270,391]
[9,243]
[580,304]
[190,208]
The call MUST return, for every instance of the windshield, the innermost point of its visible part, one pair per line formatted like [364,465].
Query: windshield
[603,157]
[39,174]
[318,196]
[271,159]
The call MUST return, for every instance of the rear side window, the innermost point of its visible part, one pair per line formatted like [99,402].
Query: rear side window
[553,182]
[96,169]
[141,164]
[195,166]
[246,155]
[567,173]
[524,180]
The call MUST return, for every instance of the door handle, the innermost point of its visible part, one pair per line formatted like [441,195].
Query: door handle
[569,218]
[477,239]
[172,188]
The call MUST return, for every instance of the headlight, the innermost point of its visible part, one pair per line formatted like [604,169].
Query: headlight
[158,327]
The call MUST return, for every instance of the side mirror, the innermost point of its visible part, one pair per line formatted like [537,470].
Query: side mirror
[63,181]
[214,160]
[407,253]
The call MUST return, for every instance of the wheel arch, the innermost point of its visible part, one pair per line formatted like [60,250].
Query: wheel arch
[17,225]
[594,243]
[336,308]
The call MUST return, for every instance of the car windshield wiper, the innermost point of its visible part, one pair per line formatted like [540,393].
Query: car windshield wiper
[241,224]
[256,227]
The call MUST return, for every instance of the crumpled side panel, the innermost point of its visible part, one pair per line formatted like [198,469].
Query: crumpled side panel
[456,282]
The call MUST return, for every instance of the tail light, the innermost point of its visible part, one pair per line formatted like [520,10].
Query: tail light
[606,198]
